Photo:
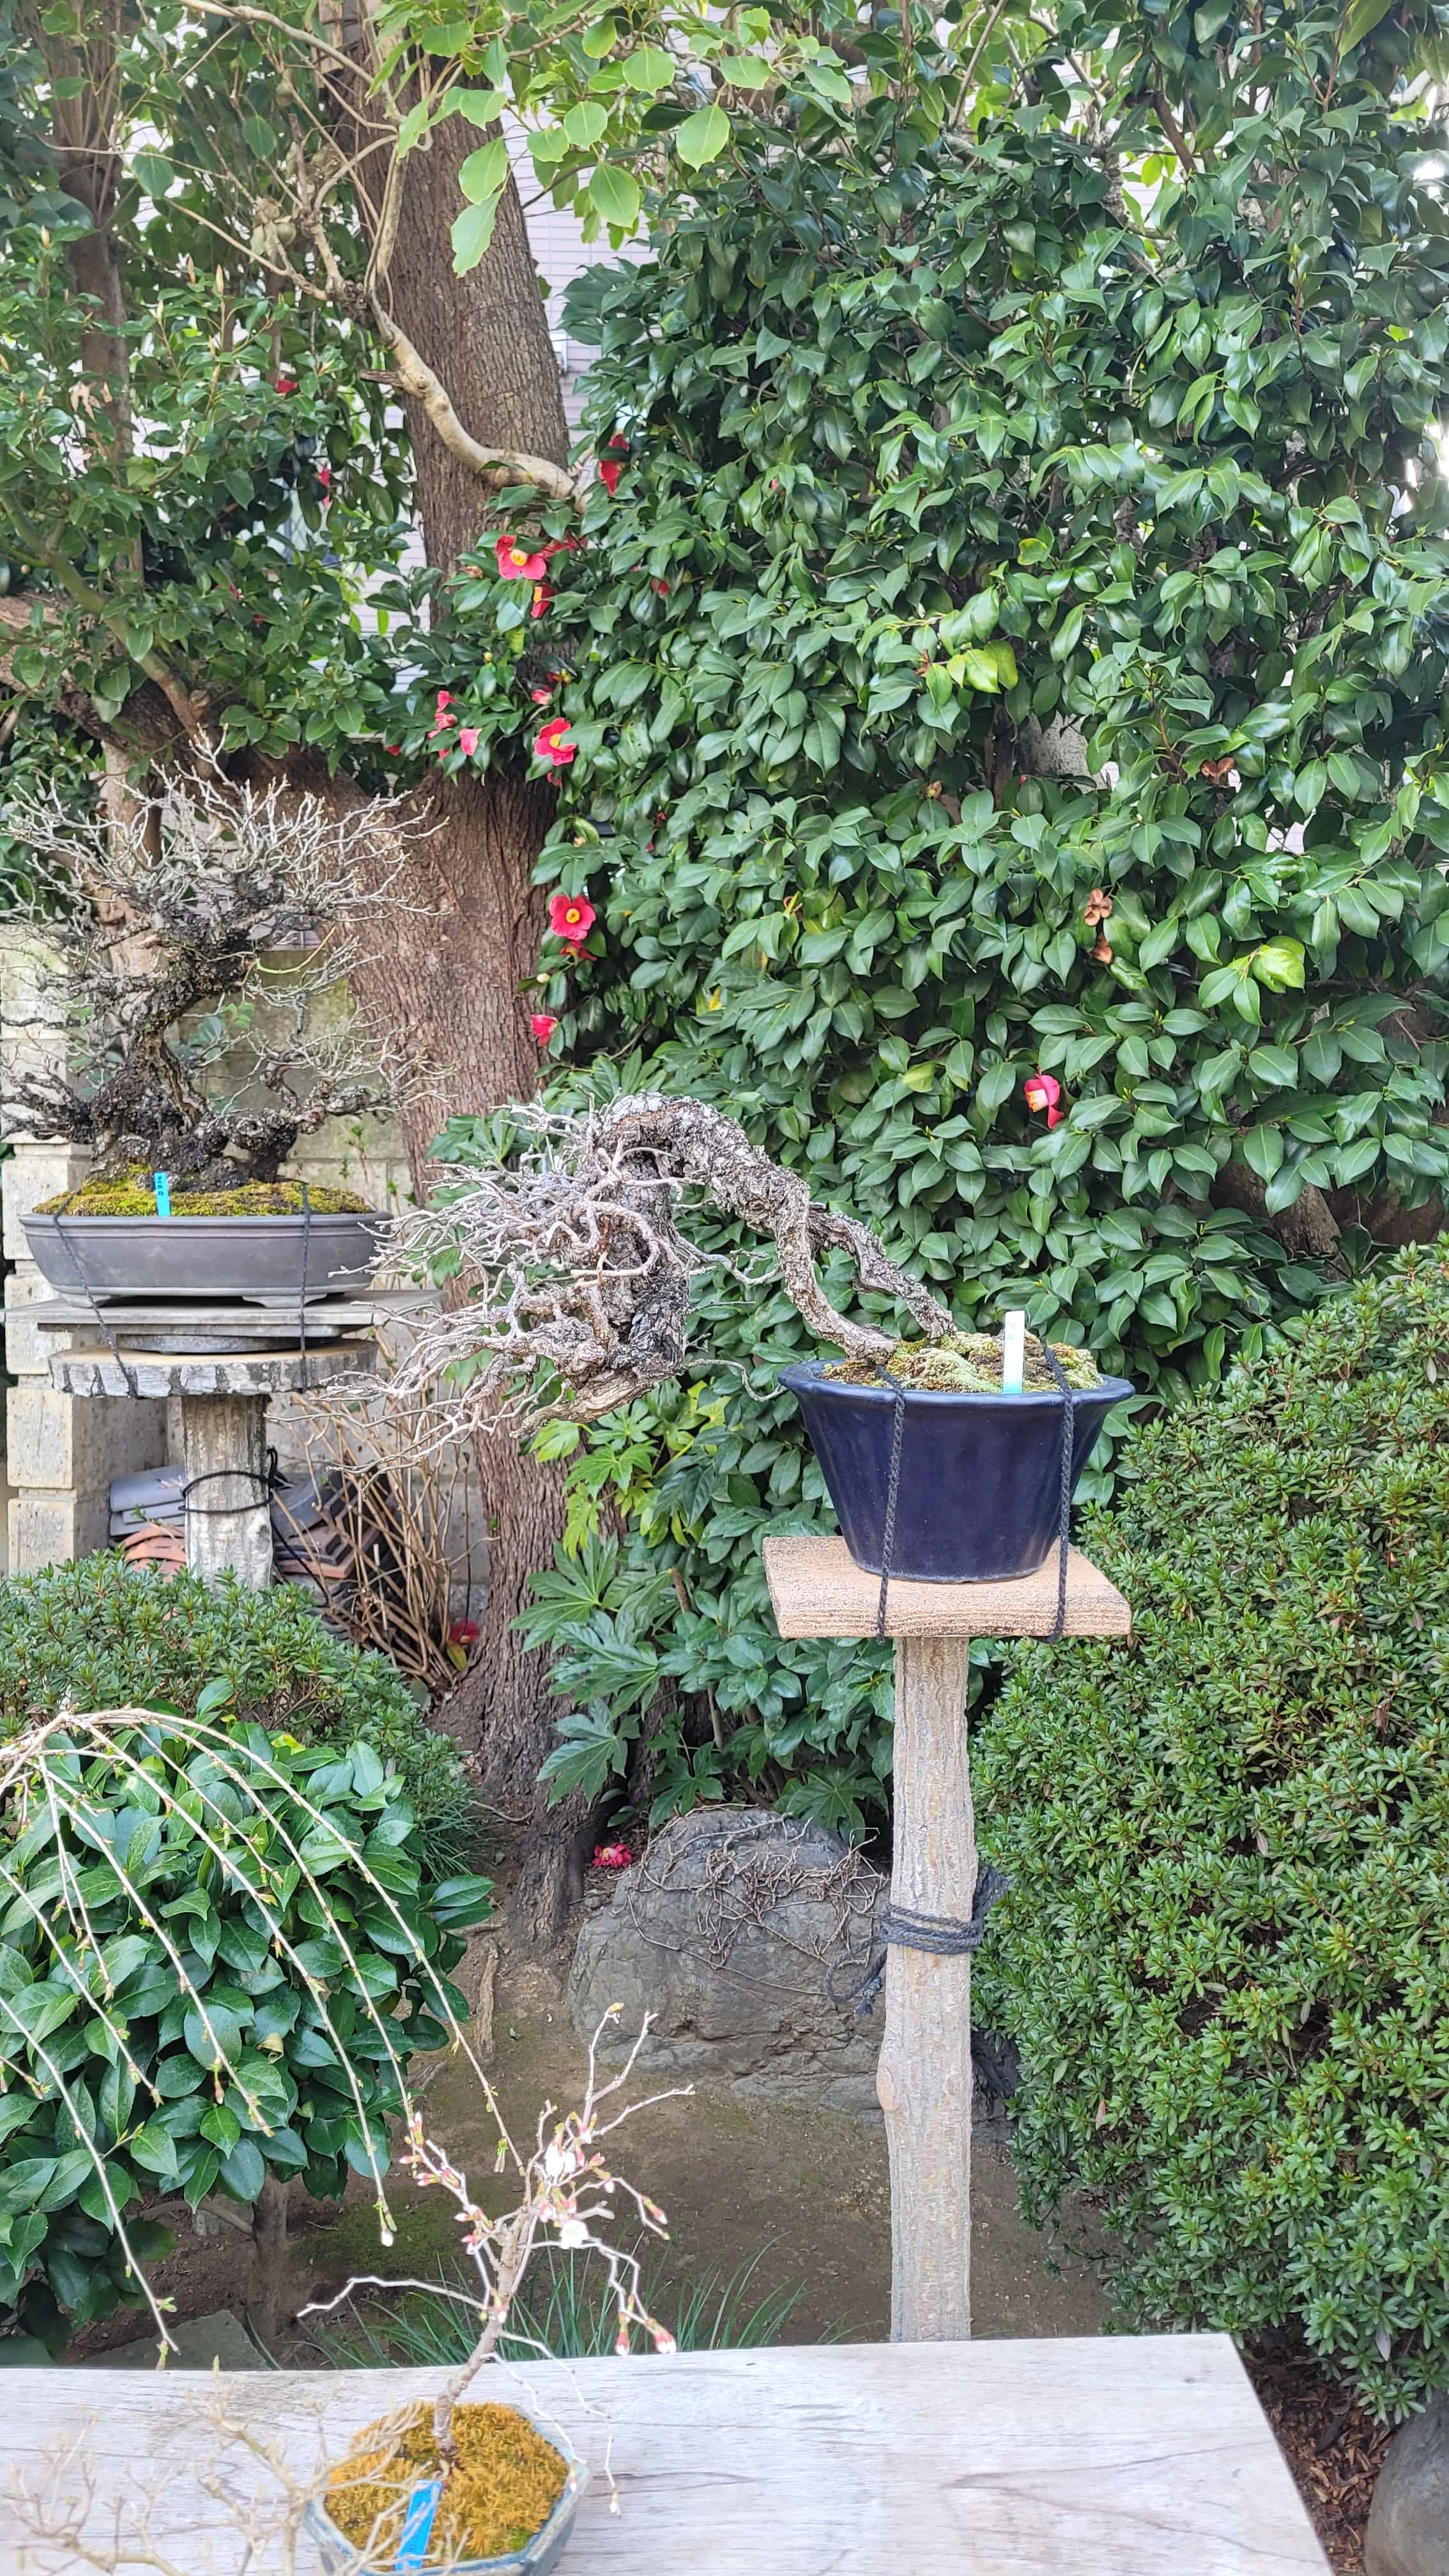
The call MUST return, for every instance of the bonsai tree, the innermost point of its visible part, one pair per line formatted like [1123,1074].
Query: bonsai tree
[578,1274]
[203,925]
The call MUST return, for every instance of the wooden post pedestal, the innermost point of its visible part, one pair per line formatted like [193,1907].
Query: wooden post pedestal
[924,2079]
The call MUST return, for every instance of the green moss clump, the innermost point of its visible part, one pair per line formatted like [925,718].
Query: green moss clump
[501,2489]
[970,1364]
[134,1194]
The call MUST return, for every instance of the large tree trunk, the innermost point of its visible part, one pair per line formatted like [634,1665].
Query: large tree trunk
[452,979]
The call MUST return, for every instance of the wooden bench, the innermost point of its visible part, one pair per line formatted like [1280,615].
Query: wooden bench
[1125,2456]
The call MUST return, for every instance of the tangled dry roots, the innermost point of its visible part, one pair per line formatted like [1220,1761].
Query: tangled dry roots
[571,1262]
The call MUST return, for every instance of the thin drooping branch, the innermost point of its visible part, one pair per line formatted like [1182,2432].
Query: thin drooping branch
[576,1275]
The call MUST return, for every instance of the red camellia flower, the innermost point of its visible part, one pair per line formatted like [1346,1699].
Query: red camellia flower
[468,739]
[520,563]
[571,917]
[464,1632]
[543,1025]
[610,469]
[393,750]
[324,477]
[553,746]
[661,588]
[286,384]
[1043,1091]
[542,599]
[613,1856]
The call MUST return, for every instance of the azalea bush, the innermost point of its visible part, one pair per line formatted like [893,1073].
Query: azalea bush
[997,715]
[1223,1952]
[104,1634]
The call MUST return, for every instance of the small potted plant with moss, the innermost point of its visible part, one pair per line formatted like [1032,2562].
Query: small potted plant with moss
[588,1212]
[469,2487]
[193,1023]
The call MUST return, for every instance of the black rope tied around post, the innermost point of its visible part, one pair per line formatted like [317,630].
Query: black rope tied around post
[269,1479]
[946,1936]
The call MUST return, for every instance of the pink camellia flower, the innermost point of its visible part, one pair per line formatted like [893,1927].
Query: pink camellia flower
[554,746]
[444,719]
[543,1025]
[468,739]
[520,563]
[540,697]
[1043,1091]
[571,917]
[542,599]
[613,1856]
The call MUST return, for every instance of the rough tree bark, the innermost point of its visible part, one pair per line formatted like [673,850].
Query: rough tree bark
[452,978]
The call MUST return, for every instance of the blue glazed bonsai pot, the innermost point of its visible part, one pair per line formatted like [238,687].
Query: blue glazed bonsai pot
[980,1485]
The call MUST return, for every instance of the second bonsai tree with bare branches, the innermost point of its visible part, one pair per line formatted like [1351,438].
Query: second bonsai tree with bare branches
[193,956]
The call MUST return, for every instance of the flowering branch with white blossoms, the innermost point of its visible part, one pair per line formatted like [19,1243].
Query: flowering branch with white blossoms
[568,2193]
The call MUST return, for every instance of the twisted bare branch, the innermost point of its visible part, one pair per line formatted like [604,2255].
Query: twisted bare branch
[574,1268]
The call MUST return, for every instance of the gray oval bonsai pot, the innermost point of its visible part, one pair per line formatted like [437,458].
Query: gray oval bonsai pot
[251,1257]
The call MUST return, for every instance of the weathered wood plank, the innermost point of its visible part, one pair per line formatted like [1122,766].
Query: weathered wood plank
[1128,2456]
[817,1591]
[924,2074]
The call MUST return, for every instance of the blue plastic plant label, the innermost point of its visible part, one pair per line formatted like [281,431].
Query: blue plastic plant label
[163,1194]
[417,2528]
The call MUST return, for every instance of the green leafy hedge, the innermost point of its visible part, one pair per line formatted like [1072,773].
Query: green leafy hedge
[181,2000]
[103,1634]
[1225,1951]
[925,449]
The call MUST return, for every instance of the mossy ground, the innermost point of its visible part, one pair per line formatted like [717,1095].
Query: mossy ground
[501,2489]
[134,1194]
[970,1364]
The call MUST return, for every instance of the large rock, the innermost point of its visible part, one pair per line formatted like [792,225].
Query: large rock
[1408,2529]
[744,1933]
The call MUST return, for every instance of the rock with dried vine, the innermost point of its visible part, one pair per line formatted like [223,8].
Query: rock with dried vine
[577,1267]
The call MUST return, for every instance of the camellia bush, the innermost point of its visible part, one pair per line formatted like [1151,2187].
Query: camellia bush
[218,1947]
[997,711]
[1223,1953]
[104,1634]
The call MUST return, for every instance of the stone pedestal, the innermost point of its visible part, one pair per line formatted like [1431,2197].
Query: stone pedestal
[223,1397]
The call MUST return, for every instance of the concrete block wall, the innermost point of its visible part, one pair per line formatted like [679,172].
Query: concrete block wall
[60,1453]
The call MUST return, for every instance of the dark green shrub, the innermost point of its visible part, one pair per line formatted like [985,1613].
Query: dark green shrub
[102,1634]
[1225,1953]
[204,1978]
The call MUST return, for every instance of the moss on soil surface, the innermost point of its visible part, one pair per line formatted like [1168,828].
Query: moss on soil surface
[134,1195]
[501,2490]
[970,1364]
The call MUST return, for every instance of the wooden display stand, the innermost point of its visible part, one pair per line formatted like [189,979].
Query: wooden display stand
[924,2078]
